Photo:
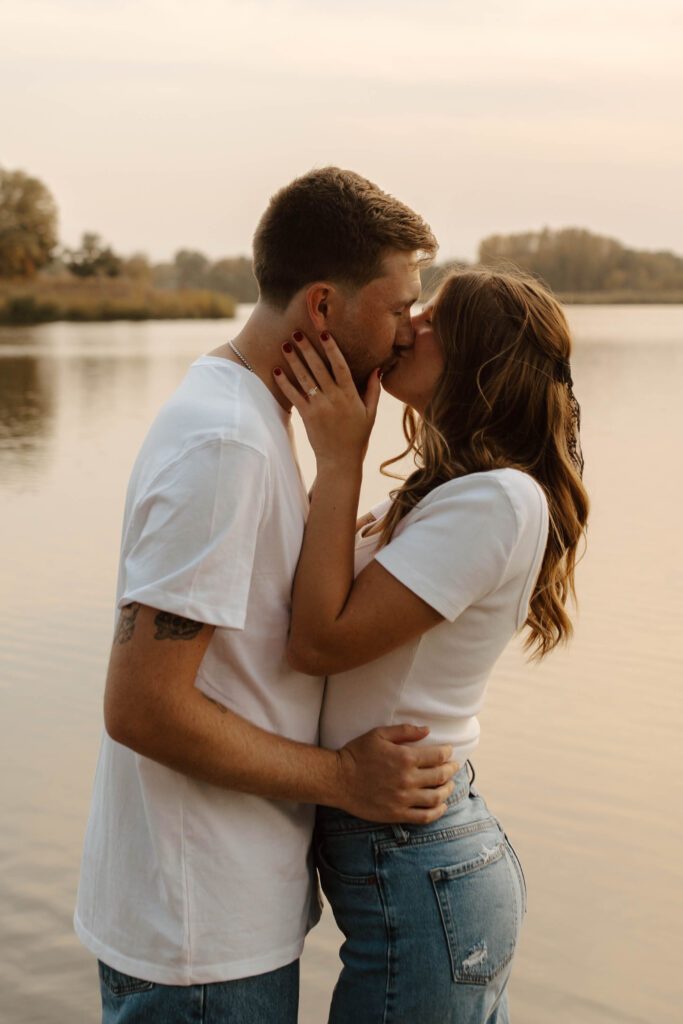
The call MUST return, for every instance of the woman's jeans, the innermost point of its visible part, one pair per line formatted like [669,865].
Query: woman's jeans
[431,914]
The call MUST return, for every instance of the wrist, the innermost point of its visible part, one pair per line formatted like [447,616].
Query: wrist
[345,466]
[331,784]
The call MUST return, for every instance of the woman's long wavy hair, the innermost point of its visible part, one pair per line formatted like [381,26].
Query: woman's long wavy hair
[504,400]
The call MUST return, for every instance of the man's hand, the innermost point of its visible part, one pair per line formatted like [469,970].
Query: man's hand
[382,779]
[153,707]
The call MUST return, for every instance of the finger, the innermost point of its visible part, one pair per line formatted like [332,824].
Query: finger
[432,797]
[423,815]
[372,392]
[427,757]
[340,368]
[435,776]
[303,376]
[404,733]
[289,390]
[314,361]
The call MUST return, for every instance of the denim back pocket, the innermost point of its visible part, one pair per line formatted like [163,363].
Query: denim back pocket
[480,902]
[120,984]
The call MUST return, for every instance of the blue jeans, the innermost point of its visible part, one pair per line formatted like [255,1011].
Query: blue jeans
[431,914]
[271,998]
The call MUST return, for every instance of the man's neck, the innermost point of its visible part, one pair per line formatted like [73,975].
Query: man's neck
[260,343]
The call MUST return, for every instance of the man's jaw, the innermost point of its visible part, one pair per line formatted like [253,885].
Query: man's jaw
[387,365]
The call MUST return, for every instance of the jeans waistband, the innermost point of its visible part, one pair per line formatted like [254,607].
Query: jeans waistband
[334,819]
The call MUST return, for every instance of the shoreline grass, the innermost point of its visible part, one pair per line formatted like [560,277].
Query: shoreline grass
[47,299]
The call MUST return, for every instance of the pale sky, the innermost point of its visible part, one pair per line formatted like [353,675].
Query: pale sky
[168,123]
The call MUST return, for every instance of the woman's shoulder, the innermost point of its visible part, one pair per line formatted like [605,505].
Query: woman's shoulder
[519,487]
[507,492]
[497,483]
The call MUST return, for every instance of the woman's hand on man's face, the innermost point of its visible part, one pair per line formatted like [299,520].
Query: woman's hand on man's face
[337,420]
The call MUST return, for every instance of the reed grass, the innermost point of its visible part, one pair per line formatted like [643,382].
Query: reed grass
[93,299]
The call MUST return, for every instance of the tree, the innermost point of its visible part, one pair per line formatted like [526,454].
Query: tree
[93,259]
[233,276]
[165,275]
[137,268]
[191,267]
[28,224]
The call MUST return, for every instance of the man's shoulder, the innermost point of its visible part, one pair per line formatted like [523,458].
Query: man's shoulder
[216,402]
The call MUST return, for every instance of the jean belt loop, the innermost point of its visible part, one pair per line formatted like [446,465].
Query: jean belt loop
[400,833]
[473,775]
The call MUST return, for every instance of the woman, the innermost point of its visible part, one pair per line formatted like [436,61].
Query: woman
[478,543]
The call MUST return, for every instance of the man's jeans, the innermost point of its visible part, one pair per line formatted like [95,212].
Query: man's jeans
[271,998]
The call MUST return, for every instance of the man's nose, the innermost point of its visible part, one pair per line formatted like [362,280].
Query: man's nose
[405,335]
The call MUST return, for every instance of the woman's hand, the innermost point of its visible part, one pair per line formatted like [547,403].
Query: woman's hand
[337,420]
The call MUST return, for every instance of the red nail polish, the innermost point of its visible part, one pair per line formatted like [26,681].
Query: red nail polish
[287,347]
[324,336]
[298,336]
[277,371]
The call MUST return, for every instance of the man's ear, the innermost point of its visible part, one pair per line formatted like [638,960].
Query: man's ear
[319,298]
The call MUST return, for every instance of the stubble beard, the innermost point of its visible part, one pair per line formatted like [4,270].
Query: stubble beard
[353,349]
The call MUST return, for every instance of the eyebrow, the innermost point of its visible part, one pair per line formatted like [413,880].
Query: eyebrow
[403,303]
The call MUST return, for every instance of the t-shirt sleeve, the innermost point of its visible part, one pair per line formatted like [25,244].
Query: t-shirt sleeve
[191,537]
[456,546]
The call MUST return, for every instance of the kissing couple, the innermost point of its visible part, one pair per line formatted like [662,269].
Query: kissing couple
[294,683]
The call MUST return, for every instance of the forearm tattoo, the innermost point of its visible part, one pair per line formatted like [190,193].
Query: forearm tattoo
[175,627]
[221,707]
[126,623]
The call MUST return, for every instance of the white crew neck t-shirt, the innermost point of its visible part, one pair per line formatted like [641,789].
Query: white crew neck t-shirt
[183,882]
[472,549]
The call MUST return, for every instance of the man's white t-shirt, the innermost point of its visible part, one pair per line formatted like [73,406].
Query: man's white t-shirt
[472,549]
[183,882]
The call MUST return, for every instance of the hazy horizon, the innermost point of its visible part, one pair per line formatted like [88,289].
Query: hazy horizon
[161,126]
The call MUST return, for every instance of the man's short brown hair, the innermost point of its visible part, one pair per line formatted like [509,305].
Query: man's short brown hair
[332,225]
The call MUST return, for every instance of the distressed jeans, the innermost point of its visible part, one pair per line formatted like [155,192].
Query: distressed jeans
[431,914]
[271,998]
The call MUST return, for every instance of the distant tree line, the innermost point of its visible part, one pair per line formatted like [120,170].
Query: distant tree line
[188,269]
[191,269]
[573,261]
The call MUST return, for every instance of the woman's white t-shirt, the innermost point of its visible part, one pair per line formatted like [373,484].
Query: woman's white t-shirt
[472,549]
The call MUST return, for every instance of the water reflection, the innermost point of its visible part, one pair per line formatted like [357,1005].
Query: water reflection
[74,380]
[26,403]
[27,409]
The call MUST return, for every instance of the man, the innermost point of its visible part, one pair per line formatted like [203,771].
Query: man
[196,887]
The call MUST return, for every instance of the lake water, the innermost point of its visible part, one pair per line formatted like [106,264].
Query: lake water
[580,757]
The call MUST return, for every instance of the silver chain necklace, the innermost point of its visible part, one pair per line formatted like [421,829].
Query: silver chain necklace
[239,355]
